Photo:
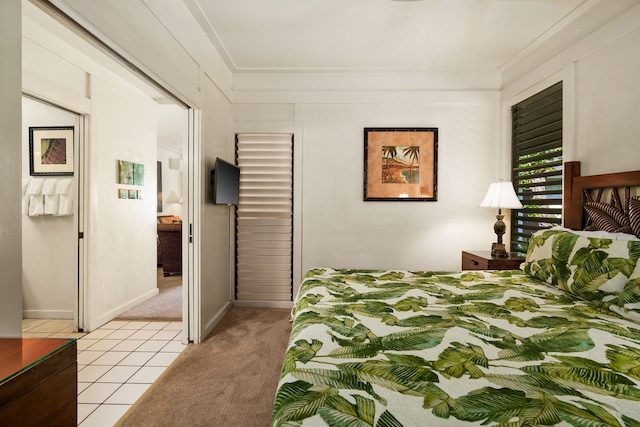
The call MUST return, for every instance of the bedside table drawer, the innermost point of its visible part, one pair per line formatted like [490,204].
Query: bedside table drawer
[473,262]
[482,260]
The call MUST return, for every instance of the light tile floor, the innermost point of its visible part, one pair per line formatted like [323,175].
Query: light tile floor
[117,362]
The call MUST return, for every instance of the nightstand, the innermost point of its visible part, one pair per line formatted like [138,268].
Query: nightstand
[481,260]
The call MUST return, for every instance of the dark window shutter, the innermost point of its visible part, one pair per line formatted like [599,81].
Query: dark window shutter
[536,165]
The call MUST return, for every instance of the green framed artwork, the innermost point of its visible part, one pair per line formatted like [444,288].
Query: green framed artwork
[130,173]
[125,172]
[138,174]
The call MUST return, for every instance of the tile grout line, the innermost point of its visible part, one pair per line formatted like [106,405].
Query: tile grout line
[168,328]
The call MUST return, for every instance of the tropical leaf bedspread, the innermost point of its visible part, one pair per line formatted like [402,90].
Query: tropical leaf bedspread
[497,348]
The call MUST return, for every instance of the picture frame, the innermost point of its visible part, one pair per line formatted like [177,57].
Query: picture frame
[130,173]
[51,151]
[125,172]
[400,164]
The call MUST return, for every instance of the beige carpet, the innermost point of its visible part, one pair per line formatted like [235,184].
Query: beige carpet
[229,379]
[167,305]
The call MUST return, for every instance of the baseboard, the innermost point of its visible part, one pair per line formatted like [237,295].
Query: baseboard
[216,319]
[263,304]
[47,314]
[110,315]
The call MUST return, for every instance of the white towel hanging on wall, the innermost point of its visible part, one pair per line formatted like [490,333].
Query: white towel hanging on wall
[47,196]
[51,199]
[36,199]
[63,190]
[35,186]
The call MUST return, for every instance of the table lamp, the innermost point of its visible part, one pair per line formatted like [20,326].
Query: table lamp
[500,195]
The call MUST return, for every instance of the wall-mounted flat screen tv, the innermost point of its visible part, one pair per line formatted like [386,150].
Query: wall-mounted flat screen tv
[225,178]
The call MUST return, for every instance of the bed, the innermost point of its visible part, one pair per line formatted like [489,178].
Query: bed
[554,343]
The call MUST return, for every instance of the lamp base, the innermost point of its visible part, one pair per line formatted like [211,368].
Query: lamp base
[498,251]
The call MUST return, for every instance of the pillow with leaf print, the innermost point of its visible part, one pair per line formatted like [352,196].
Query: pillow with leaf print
[594,269]
[634,215]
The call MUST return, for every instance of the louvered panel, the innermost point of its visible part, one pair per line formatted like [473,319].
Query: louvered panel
[261,210]
[263,266]
[270,296]
[248,144]
[265,158]
[269,199]
[256,177]
[257,287]
[254,244]
[270,237]
[259,240]
[536,164]
[268,222]
[264,252]
[259,275]
[264,218]
[261,257]
[266,186]
[257,229]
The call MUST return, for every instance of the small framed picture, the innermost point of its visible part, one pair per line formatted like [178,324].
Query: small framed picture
[140,194]
[123,193]
[133,194]
[125,172]
[51,151]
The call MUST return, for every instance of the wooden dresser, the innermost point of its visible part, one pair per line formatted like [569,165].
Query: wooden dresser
[38,382]
[170,239]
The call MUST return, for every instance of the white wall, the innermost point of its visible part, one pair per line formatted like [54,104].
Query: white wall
[601,84]
[339,229]
[10,165]
[49,243]
[214,235]
[607,90]
[334,226]
[121,233]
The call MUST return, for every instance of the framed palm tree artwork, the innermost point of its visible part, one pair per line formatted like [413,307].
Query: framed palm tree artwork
[400,164]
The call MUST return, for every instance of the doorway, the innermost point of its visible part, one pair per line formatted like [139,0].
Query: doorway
[53,270]
[50,253]
[172,136]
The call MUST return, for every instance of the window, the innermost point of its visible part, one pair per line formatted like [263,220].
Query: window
[536,165]
[264,221]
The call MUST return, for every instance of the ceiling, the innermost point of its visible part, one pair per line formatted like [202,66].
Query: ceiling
[380,35]
[353,36]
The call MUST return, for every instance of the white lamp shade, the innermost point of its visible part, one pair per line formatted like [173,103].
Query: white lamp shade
[501,195]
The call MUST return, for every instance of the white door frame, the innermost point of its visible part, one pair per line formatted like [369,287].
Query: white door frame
[191,238]
[80,107]
[80,316]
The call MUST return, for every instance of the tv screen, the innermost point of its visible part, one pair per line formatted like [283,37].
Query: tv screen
[226,183]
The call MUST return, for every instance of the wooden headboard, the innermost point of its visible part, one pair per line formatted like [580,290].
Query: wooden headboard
[576,188]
